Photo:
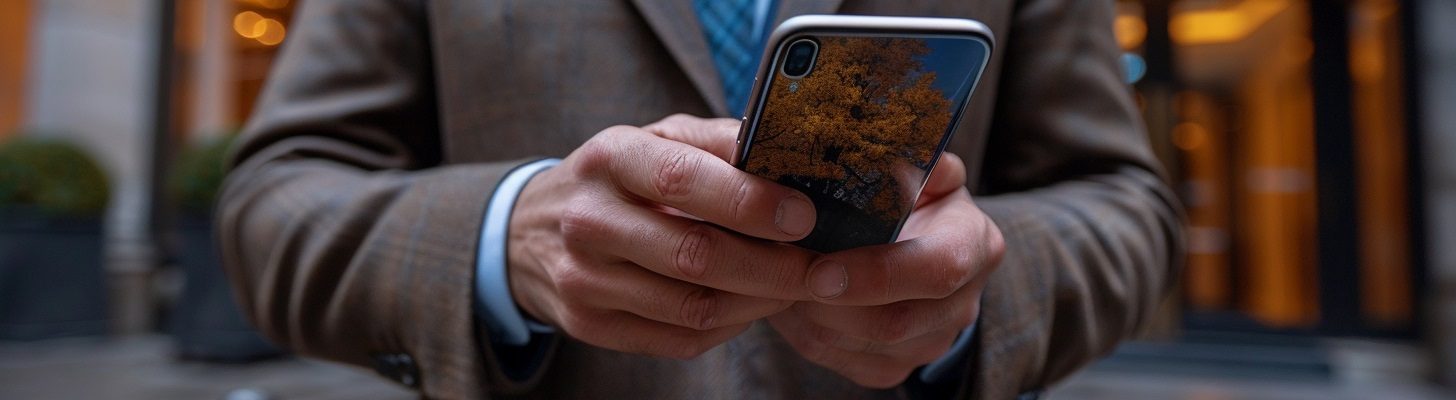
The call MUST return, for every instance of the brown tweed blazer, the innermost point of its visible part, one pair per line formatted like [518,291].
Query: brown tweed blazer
[350,218]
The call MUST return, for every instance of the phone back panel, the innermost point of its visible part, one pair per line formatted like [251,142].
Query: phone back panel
[861,131]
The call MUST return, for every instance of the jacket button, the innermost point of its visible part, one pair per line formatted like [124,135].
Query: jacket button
[399,367]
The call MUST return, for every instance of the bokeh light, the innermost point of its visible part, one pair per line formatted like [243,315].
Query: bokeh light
[252,25]
[246,24]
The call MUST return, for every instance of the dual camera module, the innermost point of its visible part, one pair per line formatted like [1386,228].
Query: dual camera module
[799,58]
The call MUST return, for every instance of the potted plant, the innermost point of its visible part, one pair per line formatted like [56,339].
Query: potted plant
[52,282]
[207,323]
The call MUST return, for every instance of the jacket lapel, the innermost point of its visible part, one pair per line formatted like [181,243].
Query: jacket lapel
[676,25]
[791,8]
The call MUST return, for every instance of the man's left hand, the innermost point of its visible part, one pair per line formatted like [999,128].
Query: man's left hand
[882,311]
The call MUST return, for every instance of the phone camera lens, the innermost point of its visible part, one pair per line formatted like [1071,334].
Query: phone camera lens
[800,58]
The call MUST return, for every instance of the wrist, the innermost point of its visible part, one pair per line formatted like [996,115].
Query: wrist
[496,303]
[534,235]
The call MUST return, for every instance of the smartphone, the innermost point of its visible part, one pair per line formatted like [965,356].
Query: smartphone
[855,111]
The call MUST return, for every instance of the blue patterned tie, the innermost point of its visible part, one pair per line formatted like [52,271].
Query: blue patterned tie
[728,26]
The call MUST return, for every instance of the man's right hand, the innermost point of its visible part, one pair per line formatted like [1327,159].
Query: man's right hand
[647,245]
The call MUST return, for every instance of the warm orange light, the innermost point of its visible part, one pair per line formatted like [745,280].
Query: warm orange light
[1189,136]
[246,24]
[1369,46]
[1131,30]
[265,30]
[1223,24]
[272,32]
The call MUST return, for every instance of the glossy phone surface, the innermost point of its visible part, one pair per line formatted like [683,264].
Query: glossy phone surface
[861,126]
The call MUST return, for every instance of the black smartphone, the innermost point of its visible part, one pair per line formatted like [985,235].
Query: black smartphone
[854,111]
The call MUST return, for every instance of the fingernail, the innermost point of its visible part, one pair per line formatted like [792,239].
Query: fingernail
[828,280]
[795,216]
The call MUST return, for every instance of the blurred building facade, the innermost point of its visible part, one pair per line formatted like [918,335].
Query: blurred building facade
[92,72]
[1308,139]
[1306,142]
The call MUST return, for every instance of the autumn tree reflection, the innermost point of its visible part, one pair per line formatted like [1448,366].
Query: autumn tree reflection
[858,134]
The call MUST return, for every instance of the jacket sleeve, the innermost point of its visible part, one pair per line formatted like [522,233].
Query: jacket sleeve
[345,237]
[1093,232]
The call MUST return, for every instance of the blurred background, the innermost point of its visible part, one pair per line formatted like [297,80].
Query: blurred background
[1305,137]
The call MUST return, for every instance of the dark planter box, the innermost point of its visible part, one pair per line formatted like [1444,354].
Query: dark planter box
[208,324]
[52,283]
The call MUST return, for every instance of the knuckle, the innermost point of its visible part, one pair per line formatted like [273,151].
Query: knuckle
[960,256]
[944,287]
[672,124]
[882,280]
[576,321]
[596,154]
[786,276]
[699,309]
[952,272]
[995,246]
[820,341]
[679,118]
[616,132]
[814,349]
[691,255]
[579,221]
[675,174]
[737,206]
[572,283]
[810,343]
[895,325]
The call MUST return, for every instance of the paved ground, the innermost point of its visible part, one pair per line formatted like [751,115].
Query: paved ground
[1098,384]
[142,368]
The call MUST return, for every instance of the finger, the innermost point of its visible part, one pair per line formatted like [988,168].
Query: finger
[898,322]
[948,176]
[691,251]
[931,215]
[917,351]
[686,178]
[628,333]
[920,349]
[716,135]
[628,287]
[932,266]
[822,347]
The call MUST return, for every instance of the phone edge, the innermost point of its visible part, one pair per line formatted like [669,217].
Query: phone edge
[849,24]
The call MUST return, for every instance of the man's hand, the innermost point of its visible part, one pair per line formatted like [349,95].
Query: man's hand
[882,311]
[626,245]
[879,312]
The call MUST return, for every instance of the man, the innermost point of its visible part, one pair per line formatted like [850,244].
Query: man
[389,208]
